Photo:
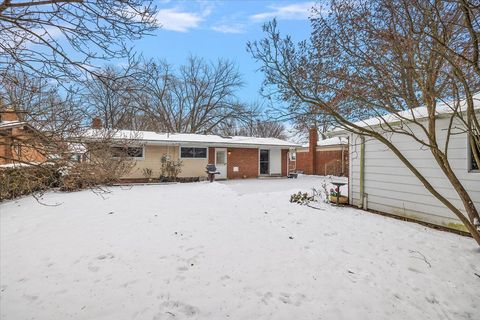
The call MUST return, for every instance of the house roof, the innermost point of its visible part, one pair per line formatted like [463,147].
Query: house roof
[151,137]
[329,142]
[12,124]
[411,114]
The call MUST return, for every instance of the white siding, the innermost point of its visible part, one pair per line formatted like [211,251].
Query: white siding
[391,187]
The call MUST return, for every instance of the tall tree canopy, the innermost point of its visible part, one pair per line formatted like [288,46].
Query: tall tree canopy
[372,58]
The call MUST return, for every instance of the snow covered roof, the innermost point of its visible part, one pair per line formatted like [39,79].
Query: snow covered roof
[412,114]
[11,124]
[332,141]
[17,165]
[329,142]
[185,138]
[77,148]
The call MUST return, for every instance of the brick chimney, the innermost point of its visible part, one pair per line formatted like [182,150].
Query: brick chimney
[96,123]
[312,148]
[9,114]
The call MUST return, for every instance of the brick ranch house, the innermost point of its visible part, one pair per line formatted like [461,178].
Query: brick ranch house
[235,157]
[321,157]
[20,143]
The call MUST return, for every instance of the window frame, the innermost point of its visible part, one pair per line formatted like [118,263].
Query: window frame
[260,162]
[292,155]
[470,158]
[129,157]
[193,158]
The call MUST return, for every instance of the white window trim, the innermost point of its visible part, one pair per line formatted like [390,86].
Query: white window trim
[188,158]
[133,158]
[469,158]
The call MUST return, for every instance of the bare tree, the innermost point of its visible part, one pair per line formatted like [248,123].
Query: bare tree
[46,146]
[110,96]
[63,38]
[372,58]
[253,127]
[196,98]
[264,129]
[56,41]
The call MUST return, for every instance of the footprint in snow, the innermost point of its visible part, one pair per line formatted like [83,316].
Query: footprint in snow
[93,268]
[296,299]
[105,256]
[175,310]
[30,297]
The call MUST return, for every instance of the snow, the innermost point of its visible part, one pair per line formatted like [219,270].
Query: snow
[234,249]
[11,124]
[78,148]
[18,164]
[176,138]
[413,114]
[332,141]
[329,142]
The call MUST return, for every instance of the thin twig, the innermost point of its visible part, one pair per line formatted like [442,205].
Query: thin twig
[423,257]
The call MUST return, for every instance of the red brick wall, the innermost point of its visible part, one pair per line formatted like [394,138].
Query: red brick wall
[211,155]
[18,139]
[304,162]
[284,162]
[312,146]
[9,116]
[246,159]
[328,162]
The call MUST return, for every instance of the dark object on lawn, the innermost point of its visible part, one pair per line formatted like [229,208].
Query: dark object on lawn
[336,193]
[211,171]
[293,175]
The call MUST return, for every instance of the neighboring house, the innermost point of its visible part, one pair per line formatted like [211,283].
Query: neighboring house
[321,157]
[20,143]
[235,157]
[390,187]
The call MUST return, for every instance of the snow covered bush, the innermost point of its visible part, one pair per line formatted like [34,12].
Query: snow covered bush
[147,173]
[170,169]
[90,174]
[19,181]
[301,198]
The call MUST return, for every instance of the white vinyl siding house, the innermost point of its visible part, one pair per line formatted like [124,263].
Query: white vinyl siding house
[390,187]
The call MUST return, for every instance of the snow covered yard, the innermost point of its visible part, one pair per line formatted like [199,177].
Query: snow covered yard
[235,249]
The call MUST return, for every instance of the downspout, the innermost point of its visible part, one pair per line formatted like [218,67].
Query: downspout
[362,172]
[342,163]
[287,169]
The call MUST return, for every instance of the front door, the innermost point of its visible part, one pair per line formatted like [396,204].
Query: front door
[221,162]
[264,161]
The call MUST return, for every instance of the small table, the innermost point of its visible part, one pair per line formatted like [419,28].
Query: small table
[338,185]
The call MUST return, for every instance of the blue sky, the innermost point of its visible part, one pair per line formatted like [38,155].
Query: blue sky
[220,29]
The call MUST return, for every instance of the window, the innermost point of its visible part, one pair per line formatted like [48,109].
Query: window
[473,165]
[264,161]
[17,150]
[189,152]
[76,157]
[130,152]
[293,155]
[220,157]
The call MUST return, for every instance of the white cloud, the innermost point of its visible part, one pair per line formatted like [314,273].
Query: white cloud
[176,20]
[298,11]
[229,28]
